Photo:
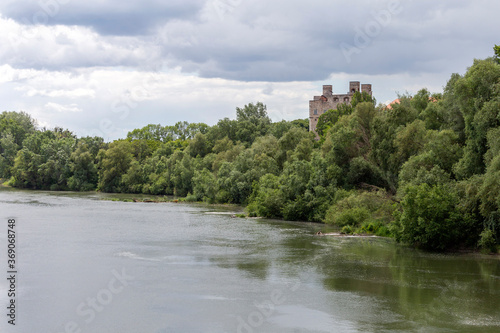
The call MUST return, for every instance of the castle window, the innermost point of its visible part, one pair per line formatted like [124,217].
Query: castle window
[315,111]
[335,99]
[346,99]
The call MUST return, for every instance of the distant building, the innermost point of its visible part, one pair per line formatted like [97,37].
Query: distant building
[327,101]
[394,102]
[398,101]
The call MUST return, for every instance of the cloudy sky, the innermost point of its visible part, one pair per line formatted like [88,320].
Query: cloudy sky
[105,67]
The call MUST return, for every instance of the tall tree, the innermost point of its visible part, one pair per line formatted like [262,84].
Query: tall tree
[113,163]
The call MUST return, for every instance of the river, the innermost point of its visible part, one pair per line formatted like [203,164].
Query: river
[90,265]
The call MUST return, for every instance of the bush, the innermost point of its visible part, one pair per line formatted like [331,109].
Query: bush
[190,198]
[430,218]
[296,210]
[267,199]
[353,217]
[223,196]
[374,228]
[487,241]
[353,208]
[370,227]
[363,172]
[383,231]
[347,230]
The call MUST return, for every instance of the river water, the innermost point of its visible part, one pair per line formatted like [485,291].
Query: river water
[89,265]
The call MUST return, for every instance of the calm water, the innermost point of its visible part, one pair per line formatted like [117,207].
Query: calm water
[89,265]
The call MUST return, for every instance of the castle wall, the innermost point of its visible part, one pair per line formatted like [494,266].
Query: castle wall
[366,88]
[328,101]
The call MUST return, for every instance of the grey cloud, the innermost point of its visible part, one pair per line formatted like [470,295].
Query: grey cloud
[108,17]
[272,41]
[278,40]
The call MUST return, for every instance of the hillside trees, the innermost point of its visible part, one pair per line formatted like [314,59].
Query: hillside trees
[14,128]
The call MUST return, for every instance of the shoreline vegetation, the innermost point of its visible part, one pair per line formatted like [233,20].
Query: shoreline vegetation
[424,171]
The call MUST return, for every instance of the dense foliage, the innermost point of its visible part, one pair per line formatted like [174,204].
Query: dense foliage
[425,170]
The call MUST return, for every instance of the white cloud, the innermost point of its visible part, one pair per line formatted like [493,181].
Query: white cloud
[75,93]
[62,108]
[65,47]
[109,102]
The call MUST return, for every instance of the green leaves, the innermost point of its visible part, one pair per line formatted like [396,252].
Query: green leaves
[429,218]
[113,164]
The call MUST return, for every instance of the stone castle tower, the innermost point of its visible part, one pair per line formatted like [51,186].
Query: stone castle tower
[327,101]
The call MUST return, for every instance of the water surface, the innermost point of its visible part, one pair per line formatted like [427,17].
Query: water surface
[91,265]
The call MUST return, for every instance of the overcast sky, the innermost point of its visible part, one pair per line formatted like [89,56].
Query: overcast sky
[105,67]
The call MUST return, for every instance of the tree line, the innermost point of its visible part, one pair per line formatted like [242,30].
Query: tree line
[425,171]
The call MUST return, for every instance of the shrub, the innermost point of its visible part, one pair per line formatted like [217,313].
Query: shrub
[190,198]
[371,227]
[430,218]
[375,228]
[223,196]
[487,241]
[354,208]
[383,231]
[267,199]
[296,210]
[353,217]
[347,230]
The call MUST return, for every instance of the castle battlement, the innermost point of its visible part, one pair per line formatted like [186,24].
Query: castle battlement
[320,104]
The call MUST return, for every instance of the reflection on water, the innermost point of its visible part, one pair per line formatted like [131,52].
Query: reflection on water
[197,271]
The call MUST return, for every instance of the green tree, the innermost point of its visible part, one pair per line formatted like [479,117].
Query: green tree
[252,112]
[9,149]
[289,142]
[134,179]
[55,169]
[327,120]
[453,118]
[83,169]
[430,218]
[205,186]
[25,169]
[14,128]
[151,132]
[226,151]
[195,128]
[496,50]
[252,121]
[421,100]
[182,174]
[198,146]
[113,164]
[301,123]
[409,140]
[353,208]
[43,163]
[478,98]
[267,199]
[18,124]
[489,195]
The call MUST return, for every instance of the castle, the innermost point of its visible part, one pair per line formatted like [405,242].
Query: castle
[327,101]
